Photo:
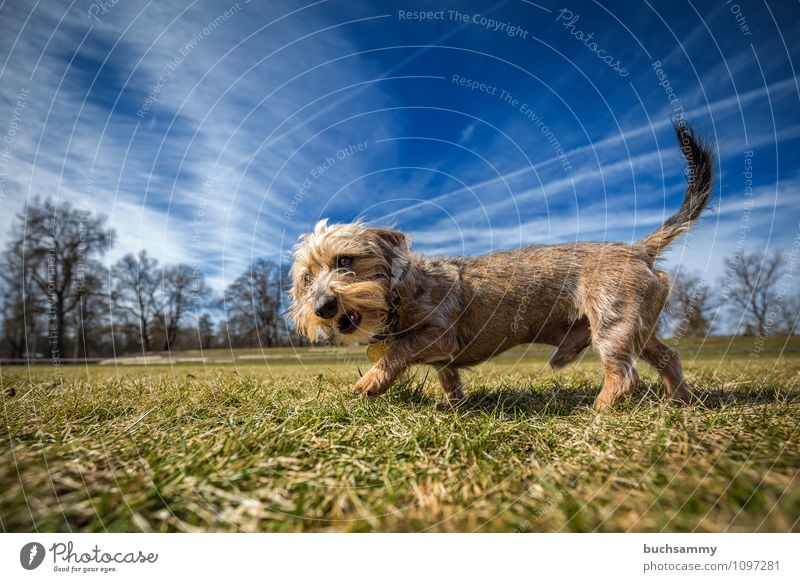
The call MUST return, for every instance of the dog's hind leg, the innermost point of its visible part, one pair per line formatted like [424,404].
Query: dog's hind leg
[624,322]
[620,376]
[450,379]
[616,337]
[668,364]
[577,339]
[665,359]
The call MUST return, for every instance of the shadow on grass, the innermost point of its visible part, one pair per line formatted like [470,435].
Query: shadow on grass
[719,398]
[511,401]
[561,397]
[565,402]
[577,399]
[528,402]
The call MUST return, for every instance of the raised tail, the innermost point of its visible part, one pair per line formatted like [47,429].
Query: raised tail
[700,158]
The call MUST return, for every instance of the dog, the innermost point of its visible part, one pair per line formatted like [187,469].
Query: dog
[364,284]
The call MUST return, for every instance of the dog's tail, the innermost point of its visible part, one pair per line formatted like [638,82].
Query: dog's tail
[700,158]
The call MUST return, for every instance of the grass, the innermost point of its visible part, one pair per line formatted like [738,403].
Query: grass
[281,445]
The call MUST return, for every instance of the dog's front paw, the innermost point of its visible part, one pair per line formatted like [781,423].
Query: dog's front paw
[600,405]
[452,400]
[684,395]
[370,384]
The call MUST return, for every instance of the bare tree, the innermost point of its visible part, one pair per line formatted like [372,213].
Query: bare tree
[90,315]
[689,306]
[20,311]
[58,244]
[205,331]
[15,330]
[789,315]
[751,289]
[252,306]
[182,290]
[135,288]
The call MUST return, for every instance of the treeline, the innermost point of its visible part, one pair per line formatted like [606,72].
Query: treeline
[60,301]
[757,296]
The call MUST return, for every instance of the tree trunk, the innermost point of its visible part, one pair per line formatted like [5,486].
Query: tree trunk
[16,348]
[57,350]
[80,343]
[80,335]
[143,331]
[169,338]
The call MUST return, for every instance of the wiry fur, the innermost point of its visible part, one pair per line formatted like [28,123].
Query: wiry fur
[456,312]
[700,159]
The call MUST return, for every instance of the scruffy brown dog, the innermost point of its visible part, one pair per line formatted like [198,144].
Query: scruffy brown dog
[364,284]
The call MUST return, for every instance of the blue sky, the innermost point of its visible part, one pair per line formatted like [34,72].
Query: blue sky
[215,132]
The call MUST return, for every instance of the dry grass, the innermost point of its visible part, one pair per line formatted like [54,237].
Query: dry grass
[284,447]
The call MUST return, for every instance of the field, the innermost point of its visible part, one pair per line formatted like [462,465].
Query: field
[274,441]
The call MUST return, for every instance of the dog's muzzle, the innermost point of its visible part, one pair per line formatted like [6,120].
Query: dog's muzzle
[348,322]
[326,307]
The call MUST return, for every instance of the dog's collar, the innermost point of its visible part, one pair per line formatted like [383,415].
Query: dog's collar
[394,309]
[391,321]
[396,278]
[395,301]
[376,351]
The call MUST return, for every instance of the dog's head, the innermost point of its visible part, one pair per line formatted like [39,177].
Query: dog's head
[342,280]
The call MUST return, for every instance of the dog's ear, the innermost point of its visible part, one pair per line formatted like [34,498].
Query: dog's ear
[392,240]
[396,249]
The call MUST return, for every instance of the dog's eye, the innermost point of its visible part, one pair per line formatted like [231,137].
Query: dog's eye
[344,262]
[307,279]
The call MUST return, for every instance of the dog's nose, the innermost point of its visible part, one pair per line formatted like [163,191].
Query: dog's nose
[326,306]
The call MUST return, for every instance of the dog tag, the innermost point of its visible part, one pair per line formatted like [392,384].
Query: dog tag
[376,351]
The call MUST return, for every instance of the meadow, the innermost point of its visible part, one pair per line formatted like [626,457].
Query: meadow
[273,440]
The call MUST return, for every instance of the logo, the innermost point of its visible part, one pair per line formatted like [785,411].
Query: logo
[31,555]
